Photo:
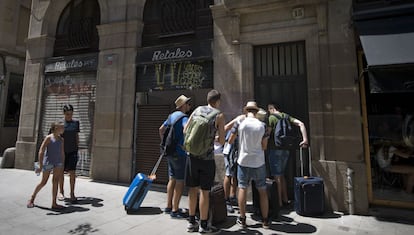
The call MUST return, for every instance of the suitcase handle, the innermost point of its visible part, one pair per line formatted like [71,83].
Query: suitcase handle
[156,165]
[301,160]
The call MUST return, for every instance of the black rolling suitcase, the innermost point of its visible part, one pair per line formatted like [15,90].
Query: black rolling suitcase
[273,196]
[217,208]
[309,191]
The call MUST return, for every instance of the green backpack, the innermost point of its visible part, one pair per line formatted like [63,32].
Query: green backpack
[200,133]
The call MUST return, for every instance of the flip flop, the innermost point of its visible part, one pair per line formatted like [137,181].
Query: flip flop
[30,204]
[73,200]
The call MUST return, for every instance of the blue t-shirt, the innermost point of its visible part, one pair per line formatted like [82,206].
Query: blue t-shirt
[178,130]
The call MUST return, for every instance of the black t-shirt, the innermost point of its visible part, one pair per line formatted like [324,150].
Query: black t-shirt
[69,135]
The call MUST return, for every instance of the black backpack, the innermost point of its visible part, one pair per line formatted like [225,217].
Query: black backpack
[169,142]
[285,136]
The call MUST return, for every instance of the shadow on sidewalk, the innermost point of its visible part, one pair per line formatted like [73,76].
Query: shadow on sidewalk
[145,210]
[64,210]
[95,202]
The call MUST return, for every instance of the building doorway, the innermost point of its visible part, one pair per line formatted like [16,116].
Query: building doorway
[280,76]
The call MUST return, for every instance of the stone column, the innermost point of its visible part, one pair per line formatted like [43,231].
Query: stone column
[38,48]
[115,99]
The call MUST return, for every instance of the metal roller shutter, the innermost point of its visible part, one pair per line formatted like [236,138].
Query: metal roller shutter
[149,119]
[79,90]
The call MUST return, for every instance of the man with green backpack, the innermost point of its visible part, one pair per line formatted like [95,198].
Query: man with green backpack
[205,125]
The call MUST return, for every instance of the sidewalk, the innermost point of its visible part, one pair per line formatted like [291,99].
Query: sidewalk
[100,211]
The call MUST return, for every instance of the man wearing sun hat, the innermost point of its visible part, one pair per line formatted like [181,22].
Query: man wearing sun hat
[251,161]
[176,163]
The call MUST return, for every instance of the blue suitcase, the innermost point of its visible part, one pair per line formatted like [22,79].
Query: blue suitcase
[309,192]
[138,190]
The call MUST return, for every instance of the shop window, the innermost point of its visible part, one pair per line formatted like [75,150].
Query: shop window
[76,32]
[14,94]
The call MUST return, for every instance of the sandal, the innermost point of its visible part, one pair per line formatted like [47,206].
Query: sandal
[73,200]
[30,204]
[61,197]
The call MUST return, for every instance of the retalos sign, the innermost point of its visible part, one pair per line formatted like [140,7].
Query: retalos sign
[170,55]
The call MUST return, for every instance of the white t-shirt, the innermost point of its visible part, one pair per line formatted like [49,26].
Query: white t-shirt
[251,132]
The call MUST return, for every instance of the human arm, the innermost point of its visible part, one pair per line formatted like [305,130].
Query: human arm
[220,122]
[161,131]
[304,143]
[41,152]
[265,140]
[230,124]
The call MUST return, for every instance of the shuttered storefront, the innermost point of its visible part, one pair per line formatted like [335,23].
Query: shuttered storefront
[71,80]
[149,119]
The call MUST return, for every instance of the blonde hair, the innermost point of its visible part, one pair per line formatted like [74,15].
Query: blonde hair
[55,125]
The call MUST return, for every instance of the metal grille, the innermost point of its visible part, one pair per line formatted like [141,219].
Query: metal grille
[80,91]
[280,61]
[177,17]
[76,32]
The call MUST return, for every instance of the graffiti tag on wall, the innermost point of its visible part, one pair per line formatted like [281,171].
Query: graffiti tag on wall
[67,85]
[176,75]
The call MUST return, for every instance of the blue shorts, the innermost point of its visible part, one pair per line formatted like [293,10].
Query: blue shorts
[49,166]
[278,159]
[246,174]
[176,166]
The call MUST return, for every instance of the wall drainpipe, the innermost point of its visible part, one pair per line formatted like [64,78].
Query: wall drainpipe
[349,177]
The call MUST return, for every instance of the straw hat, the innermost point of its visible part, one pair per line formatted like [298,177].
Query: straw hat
[181,100]
[251,105]
[261,115]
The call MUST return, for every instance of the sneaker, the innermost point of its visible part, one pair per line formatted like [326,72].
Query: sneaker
[266,223]
[242,222]
[208,229]
[192,227]
[229,207]
[178,215]
[167,210]
[234,201]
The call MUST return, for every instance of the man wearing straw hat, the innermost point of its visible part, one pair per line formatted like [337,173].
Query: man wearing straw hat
[251,161]
[176,163]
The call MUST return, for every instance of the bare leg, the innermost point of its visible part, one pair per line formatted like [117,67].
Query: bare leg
[178,191]
[279,189]
[192,200]
[242,202]
[57,175]
[227,185]
[61,188]
[170,192]
[72,176]
[204,204]
[233,187]
[45,177]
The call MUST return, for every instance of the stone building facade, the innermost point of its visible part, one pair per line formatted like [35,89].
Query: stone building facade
[14,25]
[301,53]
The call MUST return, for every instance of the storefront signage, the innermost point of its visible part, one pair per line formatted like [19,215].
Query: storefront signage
[72,64]
[172,53]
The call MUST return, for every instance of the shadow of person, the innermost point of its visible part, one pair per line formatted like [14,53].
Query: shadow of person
[293,228]
[246,231]
[95,202]
[64,210]
[145,211]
